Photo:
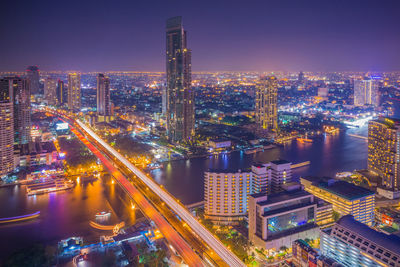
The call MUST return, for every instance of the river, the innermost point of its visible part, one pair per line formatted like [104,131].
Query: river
[66,214]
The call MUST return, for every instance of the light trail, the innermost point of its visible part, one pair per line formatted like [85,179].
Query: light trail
[226,255]
[20,218]
[189,256]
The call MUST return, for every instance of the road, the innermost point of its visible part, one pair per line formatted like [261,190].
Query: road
[175,240]
[190,229]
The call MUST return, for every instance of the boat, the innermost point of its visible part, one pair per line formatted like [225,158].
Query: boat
[103,214]
[48,185]
[304,140]
[253,150]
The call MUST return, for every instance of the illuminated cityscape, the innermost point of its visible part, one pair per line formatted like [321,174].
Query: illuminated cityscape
[200,134]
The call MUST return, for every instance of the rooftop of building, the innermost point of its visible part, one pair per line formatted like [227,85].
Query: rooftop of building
[343,189]
[389,122]
[280,161]
[226,171]
[33,148]
[281,196]
[390,242]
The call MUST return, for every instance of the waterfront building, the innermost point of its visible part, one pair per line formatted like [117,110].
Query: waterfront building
[384,151]
[74,91]
[32,73]
[21,98]
[225,195]
[366,92]
[50,91]
[266,103]
[277,220]
[103,95]
[345,197]
[355,244]
[180,96]
[6,128]
[62,93]
[226,191]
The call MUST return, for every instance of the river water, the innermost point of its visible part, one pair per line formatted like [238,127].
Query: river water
[66,214]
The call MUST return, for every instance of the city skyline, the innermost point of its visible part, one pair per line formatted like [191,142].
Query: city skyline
[284,36]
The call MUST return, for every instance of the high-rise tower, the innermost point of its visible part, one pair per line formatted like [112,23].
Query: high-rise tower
[180,96]
[33,77]
[103,95]
[266,103]
[62,93]
[50,91]
[21,99]
[74,91]
[366,92]
[6,128]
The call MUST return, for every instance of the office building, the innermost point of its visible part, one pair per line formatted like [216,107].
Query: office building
[277,220]
[32,73]
[74,91]
[225,195]
[180,96]
[345,197]
[266,103]
[352,243]
[366,92]
[62,93]
[164,101]
[6,128]
[384,151]
[50,91]
[103,95]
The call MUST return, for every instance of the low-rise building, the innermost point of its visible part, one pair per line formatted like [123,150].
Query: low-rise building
[35,154]
[388,216]
[345,197]
[355,244]
[305,256]
[277,220]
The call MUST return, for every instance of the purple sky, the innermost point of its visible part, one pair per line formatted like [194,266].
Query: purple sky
[86,35]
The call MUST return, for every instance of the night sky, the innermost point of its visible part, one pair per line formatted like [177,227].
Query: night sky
[324,35]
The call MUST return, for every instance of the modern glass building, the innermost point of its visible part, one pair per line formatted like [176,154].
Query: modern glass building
[366,92]
[180,96]
[103,95]
[33,76]
[355,244]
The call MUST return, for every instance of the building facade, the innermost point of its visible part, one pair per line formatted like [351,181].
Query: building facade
[352,243]
[22,109]
[50,91]
[103,95]
[6,128]
[266,103]
[346,198]
[32,73]
[366,92]
[277,220]
[180,96]
[62,93]
[384,151]
[74,91]
[225,195]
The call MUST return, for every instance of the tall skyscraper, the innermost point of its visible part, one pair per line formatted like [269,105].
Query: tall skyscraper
[50,91]
[180,96]
[22,109]
[266,103]
[33,77]
[366,92]
[384,151]
[300,78]
[74,91]
[103,95]
[62,93]
[6,128]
